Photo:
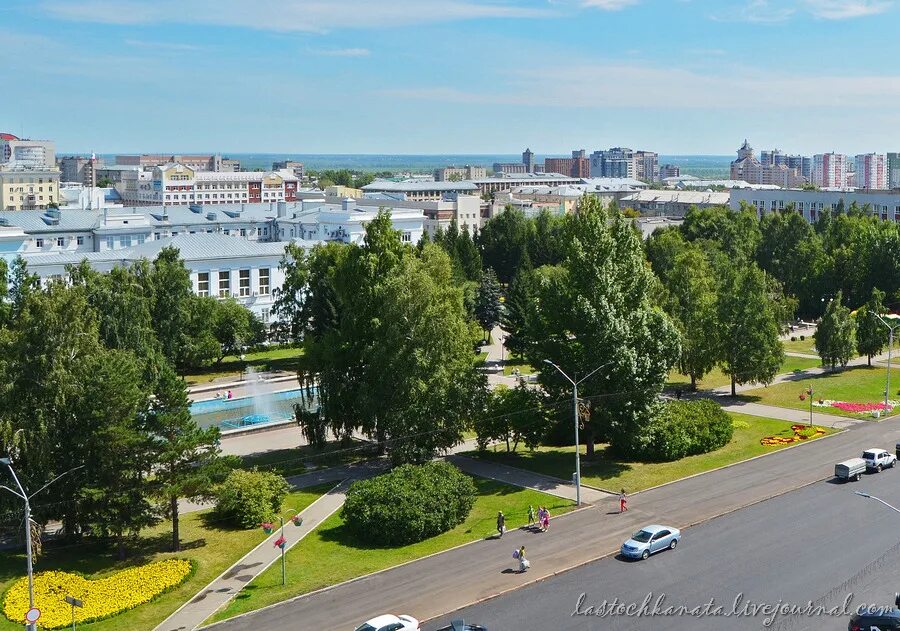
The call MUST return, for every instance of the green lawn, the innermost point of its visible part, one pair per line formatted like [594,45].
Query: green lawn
[212,547]
[514,362]
[286,359]
[860,384]
[294,460]
[807,346]
[716,378]
[608,472]
[328,556]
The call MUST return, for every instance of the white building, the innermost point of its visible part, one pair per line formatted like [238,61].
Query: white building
[671,203]
[871,171]
[346,222]
[830,170]
[219,266]
[31,154]
[176,184]
[810,204]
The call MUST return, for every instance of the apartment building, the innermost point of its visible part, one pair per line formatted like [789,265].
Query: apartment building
[884,204]
[830,170]
[512,168]
[893,170]
[24,188]
[577,166]
[420,191]
[767,172]
[22,152]
[148,161]
[871,171]
[79,169]
[452,173]
[176,183]
[289,165]
[622,162]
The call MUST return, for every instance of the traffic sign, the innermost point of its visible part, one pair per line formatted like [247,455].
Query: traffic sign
[74,601]
[33,614]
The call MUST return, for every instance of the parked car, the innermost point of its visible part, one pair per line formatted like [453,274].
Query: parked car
[389,622]
[878,459]
[882,618]
[650,540]
[460,625]
[850,469]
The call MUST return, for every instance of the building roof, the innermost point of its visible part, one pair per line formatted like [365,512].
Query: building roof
[6,136]
[679,197]
[411,187]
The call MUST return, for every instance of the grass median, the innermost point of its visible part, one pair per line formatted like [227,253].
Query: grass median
[328,555]
[605,471]
[276,359]
[858,384]
[213,546]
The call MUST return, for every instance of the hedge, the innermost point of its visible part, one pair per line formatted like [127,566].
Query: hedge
[687,428]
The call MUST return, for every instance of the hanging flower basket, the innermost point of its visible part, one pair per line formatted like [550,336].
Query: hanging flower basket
[803,396]
[297,520]
[280,542]
[267,527]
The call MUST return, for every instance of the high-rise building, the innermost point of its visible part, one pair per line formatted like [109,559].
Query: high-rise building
[871,171]
[893,170]
[646,165]
[79,169]
[528,160]
[214,163]
[616,162]
[289,165]
[669,170]
[829,170]
[510,168]
[773,169]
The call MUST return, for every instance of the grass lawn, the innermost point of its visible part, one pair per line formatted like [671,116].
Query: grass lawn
[212,547]
[328,556]
[716,378]
[859,384]
[514,362]
[807,346]
[285,359]
[608,472]
[293,461]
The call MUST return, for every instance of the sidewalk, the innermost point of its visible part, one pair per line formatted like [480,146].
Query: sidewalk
[220,591]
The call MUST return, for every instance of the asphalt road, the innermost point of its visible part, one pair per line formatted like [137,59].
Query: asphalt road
[821,543]
[442,583]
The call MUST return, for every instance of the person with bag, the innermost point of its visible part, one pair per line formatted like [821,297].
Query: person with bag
[523,562]
[501,523]
[623,502]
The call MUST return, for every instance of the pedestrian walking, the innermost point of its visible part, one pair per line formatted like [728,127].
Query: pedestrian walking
[623,502]
[501,523]
[545,523]
[530,516]
[523,562]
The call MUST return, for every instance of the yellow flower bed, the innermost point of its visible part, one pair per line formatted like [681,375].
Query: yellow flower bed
[102,598]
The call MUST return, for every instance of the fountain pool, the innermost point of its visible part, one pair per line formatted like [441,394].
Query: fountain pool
[258,409]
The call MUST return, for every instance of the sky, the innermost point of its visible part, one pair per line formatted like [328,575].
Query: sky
[451,76]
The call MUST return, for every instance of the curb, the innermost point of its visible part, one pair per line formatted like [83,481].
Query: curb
[370,575]
[236,384]
[230,567]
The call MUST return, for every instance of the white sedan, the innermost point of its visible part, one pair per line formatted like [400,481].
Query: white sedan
[388,622]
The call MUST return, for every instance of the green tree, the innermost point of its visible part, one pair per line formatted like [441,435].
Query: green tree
[545,245]
[871,334]
[504,243]
[692,293]
[487,302]
[467,256]
[198,344]
[750,349]
[518,310]
[233,327]
[513,415]
[4,293]
[171,307]
[188,461]
[835,335]
[597,310]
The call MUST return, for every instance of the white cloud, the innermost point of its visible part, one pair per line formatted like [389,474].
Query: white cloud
[844,9]
[313,16]
[343,52]
[172,46]
[756,11]
[612,85]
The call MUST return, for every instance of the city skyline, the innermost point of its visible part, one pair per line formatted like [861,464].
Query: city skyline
[425,77]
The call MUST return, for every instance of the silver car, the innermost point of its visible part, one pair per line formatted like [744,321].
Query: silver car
[649,540]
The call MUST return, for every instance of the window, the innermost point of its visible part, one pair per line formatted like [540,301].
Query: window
[39,243]
[244,283]
[265,315]
[406,237]
[203,284]
[110,243]
[79,240]
[140,239]
[243,232]
[126,241]
[157,235]
[264,281]
[61,242]
[224,284]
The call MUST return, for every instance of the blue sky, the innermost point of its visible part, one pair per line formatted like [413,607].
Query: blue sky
[452,76]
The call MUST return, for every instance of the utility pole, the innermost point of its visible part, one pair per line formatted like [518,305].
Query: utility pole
[887,385]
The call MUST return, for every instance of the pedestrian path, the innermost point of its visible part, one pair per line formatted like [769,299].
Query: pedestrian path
[220,591]
[790,414]
[527,479]
[803,355]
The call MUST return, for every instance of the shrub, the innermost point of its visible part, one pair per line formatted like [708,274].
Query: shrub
[409,504]
[688,428]
[740,424]
[793,338]
[249,498]
[802,337]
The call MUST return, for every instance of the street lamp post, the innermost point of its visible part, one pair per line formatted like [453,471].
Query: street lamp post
[887,385]
[577,439]
[21,494]
[878,499]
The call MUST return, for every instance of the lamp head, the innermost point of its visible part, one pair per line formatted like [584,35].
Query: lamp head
[5,461]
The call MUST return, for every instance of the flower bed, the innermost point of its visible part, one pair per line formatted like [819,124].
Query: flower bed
[801,433]
[856,408]
[103,598]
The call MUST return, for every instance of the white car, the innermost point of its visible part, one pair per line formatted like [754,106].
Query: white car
[878,459]
[389,622]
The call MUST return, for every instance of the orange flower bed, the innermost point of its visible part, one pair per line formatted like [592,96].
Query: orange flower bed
[801,433]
